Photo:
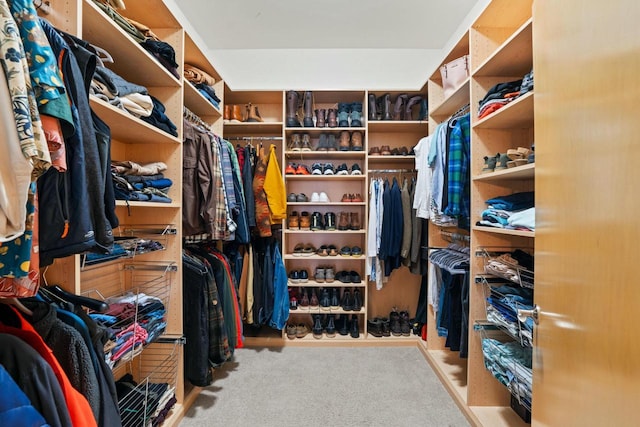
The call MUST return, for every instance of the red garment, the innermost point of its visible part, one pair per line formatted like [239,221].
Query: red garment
[491,108]
[78,406]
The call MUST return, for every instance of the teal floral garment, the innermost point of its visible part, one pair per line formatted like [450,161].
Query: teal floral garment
[25,110]
[45,74]
[15,255]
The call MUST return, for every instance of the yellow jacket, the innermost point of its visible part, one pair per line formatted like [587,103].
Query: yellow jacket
[274,188]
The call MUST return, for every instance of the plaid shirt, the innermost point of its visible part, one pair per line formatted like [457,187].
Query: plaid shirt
[459,155]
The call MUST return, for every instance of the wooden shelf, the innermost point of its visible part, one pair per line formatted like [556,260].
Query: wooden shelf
[197,103]
[325,177]
[128,128]
[520,233]
[335,284]
[451,104]
[513,58]
[303,204]
[318,131]
[135,204]
[325,258]
[398,126]
[129,57]
[518,173]
[325,154]
[319,310]
[325,231]
[253,129]
[517,114]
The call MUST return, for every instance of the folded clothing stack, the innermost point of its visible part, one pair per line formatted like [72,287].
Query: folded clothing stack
[140,182]
[203,82]
[515,212]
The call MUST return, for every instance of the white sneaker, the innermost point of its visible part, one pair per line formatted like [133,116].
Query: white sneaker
[323,197]
[315,197]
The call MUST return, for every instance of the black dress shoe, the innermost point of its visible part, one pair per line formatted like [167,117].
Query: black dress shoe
[357,300]
[335,302]
[347,300]
[325,300]
[317,327]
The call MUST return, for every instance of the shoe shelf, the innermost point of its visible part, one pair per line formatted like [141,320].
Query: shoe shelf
[127,128]
[335,284]
[507,232]
[398,125]
[326,203]
[325,154]
[252,128]
[452,103]
[517,114]
[292,177]
[309,339]
[324,258]
[129,57]
[524,172]
[197,103]
[325,231]
[513,58]
[318,131]
[401,338]
[319,310]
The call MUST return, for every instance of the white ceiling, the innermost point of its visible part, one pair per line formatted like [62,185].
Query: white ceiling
[236,33]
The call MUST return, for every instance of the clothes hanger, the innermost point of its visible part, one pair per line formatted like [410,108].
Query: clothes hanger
[90,303]
[17,304]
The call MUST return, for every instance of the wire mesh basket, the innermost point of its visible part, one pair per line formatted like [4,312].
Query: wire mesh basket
[501,263]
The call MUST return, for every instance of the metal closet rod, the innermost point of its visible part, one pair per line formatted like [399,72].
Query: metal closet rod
[392,170]
[254,138]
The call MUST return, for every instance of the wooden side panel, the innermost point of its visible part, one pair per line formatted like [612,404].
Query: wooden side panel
[586,66]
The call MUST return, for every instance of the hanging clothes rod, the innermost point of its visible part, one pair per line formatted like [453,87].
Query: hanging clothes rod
[253,138]
[392,170]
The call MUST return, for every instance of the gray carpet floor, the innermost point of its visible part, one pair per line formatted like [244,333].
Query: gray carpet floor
[295,386]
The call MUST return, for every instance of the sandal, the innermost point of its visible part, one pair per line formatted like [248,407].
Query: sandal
[323,250]
[333,250]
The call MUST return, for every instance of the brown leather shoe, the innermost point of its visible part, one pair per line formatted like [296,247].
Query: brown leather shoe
[294,143]
[227,113]
[374,151]
[294,221]
[306,142]
[332,118]
[356,141]
[305,221]
[236,114]
[343,222]
[354,222]
[385,150]
[345,141]
[346,198]
[253,115]
[356,198]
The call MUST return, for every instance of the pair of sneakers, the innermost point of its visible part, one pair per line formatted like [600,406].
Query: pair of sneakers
[322,169]
[320,197]
[297,198]
[344,170]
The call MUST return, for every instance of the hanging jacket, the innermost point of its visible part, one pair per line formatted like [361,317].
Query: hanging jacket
[280,290]
[35,378]
[15,408]
[15,324]
[274,188]
[66,223]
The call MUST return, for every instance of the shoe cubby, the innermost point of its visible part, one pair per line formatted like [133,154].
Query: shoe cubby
[338,110]
[253,113]
[396,109]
